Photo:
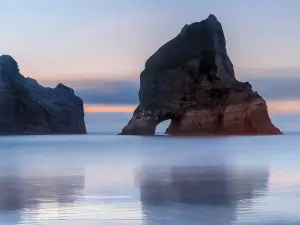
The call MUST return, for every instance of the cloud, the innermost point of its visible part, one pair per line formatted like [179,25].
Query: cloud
[272,87]
[107,91]
[276,87]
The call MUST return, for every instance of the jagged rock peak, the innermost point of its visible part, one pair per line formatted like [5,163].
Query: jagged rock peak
[8,61]
[29,108]
[204,39]
[197,27]
[64,87]
[212,16]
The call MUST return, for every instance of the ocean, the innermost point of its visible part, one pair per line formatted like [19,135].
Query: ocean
[103,178]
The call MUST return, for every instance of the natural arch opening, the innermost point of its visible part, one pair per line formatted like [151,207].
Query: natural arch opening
[162,127]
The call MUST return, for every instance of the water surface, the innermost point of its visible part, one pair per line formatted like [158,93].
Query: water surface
[102,178]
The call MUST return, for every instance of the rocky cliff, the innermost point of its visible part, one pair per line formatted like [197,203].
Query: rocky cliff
[29,108]
[191,81]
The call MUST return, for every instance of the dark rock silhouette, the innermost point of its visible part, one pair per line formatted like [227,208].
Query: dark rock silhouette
[29,108]
[191,81]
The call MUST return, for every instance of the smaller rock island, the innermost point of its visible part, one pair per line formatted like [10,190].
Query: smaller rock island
[29,108]
[191,81]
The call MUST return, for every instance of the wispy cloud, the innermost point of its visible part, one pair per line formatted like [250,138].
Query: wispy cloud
[278,86]
[94,108]
[108,92]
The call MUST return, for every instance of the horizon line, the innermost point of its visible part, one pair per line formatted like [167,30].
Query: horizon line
[135,75]
[275,107]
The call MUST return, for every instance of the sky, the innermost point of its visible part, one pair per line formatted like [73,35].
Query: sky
[100,46]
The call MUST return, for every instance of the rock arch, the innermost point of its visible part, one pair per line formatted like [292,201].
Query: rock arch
[191,81]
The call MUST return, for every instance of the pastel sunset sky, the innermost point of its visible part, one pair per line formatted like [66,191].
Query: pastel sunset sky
[99,47]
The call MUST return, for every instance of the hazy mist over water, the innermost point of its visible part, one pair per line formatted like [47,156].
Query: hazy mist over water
[102,178]
[99,49]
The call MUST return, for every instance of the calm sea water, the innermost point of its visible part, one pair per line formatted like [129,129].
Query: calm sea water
[102,178]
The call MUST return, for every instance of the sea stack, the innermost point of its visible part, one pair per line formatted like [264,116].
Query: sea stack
[29,108]
[191,81]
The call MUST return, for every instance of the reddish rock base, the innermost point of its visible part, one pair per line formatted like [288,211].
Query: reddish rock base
[242,119]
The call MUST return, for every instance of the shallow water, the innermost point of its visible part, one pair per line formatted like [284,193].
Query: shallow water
[102,178]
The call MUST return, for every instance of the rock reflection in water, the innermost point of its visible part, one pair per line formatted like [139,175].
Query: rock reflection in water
[19,192]
[210,194]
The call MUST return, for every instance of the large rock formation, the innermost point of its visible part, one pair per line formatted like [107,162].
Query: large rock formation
[191,81]
[28,108]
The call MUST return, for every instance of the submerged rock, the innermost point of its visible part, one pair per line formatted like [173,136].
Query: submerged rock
[191,81]
[29,108]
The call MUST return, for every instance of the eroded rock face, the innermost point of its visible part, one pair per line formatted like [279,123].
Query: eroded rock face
[191,81]
[29,108]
